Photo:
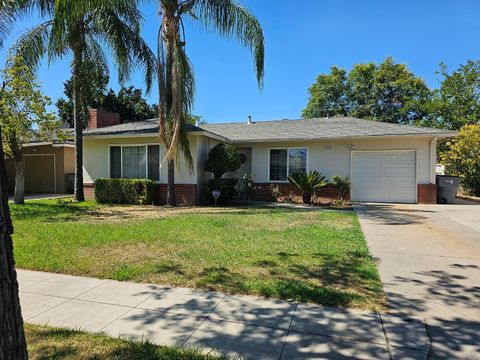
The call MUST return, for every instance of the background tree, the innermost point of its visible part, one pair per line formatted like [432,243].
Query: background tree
[328,95]
[12,336]
[457,101]
[81,28]
[175,74]
[129,103]
[463,158]
[386,92]
[22,106]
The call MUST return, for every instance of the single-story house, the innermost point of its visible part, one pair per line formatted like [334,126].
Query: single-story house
[385,162]
[49,167]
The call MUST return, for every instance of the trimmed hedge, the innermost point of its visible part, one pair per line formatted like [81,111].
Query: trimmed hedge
[124,191]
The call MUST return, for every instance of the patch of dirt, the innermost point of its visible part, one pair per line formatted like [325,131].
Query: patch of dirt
[135,212]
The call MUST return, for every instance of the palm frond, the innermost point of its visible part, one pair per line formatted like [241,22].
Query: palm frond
[232,19]
[32,45]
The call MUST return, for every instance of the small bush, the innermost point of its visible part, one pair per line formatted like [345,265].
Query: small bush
[308,183]
[223,158]
[124,191]
[463,158]
[342,185]
[226,187]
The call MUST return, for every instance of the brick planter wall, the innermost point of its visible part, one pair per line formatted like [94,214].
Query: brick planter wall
[427,193]
[263,191]
[186,194]
[89,191]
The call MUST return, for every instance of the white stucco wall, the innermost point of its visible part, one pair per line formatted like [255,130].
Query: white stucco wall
[333,157]
[96,158]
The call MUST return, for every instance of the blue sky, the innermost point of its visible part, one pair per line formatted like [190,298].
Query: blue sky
[305,38]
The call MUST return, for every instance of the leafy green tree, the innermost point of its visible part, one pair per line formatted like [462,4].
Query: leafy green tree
[387,92]
[22,106]
[457,101]
[65,105]
[83,29]
[463,158]
[328,95]
[128,103]
[175,74]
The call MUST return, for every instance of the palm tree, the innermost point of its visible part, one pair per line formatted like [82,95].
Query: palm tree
[175,75]
[81,28]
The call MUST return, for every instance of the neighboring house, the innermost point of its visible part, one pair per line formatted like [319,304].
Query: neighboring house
[385,162]
[49,167]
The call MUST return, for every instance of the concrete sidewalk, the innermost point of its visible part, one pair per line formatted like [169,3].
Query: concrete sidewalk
[234,325]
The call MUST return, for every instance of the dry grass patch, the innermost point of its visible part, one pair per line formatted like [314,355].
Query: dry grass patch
[304,254]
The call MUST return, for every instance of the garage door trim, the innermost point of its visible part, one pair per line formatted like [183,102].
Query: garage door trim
[390,150]
[54,167]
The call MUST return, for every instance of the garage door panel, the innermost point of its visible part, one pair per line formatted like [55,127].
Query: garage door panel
[39,173]
[383,176]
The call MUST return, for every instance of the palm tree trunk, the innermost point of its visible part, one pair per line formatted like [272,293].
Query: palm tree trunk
[19,195]
[12,337]
[169,93]
[171,184]
[78,193]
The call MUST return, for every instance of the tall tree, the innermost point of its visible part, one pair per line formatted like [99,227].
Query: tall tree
[457,101]
[229,18]
[387,92]
[81,28]
[23,107]
[328,95]
[12,336]
[128,102]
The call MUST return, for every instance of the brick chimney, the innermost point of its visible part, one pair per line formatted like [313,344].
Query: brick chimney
[101,118]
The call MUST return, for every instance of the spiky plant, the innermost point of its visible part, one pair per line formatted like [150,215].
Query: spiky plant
[176,82]
[82,28]
[308,183]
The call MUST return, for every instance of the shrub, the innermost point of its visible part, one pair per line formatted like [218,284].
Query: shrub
[245,186]
[223,158]
[463,158]
[308,183]
[124,191]
[226,187]
[342,185]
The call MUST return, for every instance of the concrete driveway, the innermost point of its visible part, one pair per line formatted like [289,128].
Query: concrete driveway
[429,262]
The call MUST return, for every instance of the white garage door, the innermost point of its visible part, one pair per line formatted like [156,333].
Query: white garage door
[383,176]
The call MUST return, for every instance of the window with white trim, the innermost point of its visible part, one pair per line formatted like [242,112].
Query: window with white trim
[286,161]
[135,162]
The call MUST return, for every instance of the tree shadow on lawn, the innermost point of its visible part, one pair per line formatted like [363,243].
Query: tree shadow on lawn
[332,280]
[50,212]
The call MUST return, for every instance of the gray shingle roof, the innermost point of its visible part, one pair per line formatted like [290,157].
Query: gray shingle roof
[319,128]
[139,127]
[284,130]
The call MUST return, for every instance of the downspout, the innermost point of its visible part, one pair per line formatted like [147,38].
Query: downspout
[432,177]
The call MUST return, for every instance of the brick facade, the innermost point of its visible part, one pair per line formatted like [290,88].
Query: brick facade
[427,193]
[89,191]
[263,191]
[186,194]
[100,118]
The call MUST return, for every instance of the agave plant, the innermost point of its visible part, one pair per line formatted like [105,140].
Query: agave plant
[308,183]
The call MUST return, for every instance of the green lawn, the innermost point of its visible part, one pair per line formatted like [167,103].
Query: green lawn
[62,344]
[317,256]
